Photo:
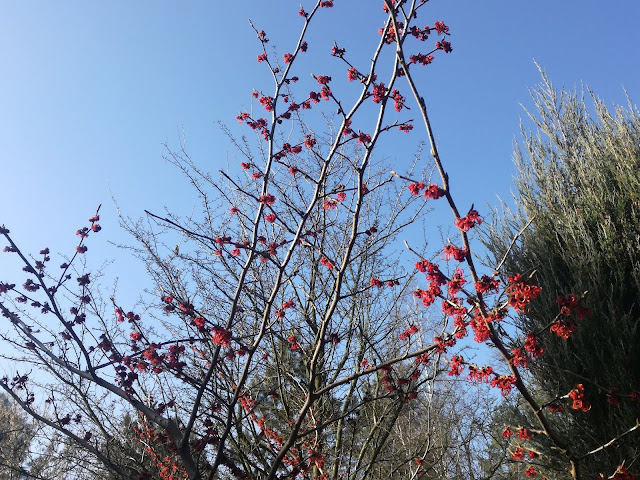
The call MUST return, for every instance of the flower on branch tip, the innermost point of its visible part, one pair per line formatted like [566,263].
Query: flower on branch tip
[398,100]
[363,138]
[524,434]
[530,472]
[444,45]
[267,199]
[577,398]
[441,28]
[352,74]
[326,4]
[411,330]
[421,59]
[520,293]
[221,336]
[266,102]
[262,57]
[504,383]
[416,187]
[81,248]
[287,57]
[270,217]
[434,192]
[405,128]
[451,251]
[302,13]
[456,365]
[379,92]
[531,347]
[518,454]
[337,52]
[470,220]
[487,284]
[563,328]
[323,79]
[309,141]
[326,263]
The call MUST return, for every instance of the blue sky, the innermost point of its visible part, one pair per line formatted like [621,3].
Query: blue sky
[91,90]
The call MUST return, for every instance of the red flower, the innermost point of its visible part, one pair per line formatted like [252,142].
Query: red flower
[434,192]
[267,199]
[221,336]
[330,204]
[456,365]
[577,397]
[524,434]
[379,92]
[444,45]
[471,219]
[415,188]
[262,57]
[458,254]
[518,454]
[326,262]
[441,28]
[352,74]
[287,57]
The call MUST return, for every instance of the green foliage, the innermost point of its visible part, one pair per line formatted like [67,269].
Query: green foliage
[579,180]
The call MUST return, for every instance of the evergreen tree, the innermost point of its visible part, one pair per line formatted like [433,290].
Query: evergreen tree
[579,185]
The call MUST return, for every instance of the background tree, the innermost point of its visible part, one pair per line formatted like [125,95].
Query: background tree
[579,186]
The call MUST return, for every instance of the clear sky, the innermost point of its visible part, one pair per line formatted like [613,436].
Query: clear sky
[90,91]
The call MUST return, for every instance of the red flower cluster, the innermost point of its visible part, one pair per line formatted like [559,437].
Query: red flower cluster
[577,398]
[563,328]
[408,332]
[444,45]
[326,263]
[451,251]
[520,293]
[571,303]
[398,100]
[504,383]
[487,284]
[470,220]
[456,365]
[267,199]
[531,347]
[441,28]
[480,375]
[421,59]
[379,92]
[221,336]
